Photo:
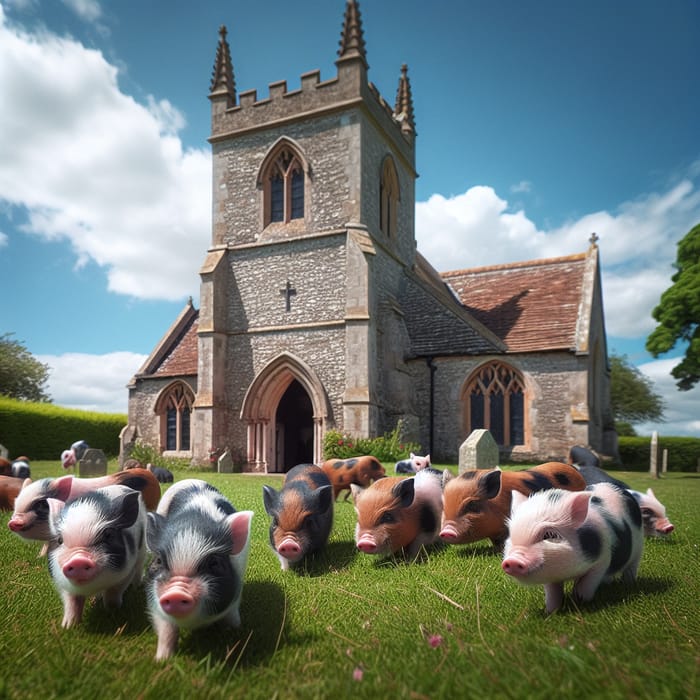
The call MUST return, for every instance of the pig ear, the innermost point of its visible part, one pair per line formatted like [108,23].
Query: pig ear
[650,493]
[61,487]
[240,530]
[516,500]
[55,509]
[270,499]
[26,483]
[355,491]
[129,507]
[325,497]
[427,458]
[579,507]
[405,491]
[447,475]
[492,483]
[412,456]
[154,526]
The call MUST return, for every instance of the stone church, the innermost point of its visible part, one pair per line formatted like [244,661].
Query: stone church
[317,311]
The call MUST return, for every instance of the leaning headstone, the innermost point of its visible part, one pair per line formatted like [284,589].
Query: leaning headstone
[93,463]
[478,451]
[225,463]
[4,452]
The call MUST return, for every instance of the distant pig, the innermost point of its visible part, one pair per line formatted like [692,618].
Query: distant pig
[396,514]
[9,490]
[656,523]
[301,512]
[477,502]
[412,465]
[98,546]
[356,470]
[31,514]
[200,551]
[20,468]
[588,536]
[164,476]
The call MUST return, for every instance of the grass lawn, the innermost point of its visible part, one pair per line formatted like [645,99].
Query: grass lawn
[451,625]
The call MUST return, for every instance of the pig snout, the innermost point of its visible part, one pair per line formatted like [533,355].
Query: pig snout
[290,549]
[665,527]
[514,565]
[16,523]
[449,533]
[367,544]
[177,600]
[80,568]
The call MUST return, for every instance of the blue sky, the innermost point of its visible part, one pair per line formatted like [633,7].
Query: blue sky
[538,123]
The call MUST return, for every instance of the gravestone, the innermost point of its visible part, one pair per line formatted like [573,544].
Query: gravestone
[93,463]
[478,451]
[225,463]
[4,452]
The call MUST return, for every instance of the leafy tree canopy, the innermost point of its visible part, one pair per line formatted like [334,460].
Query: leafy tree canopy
[22,376]
[631,393]
[678,313]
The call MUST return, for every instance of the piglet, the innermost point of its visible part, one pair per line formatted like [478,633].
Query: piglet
[395,514]
[20,468]
[355,470]
[301,512]
[589,536]
[30,518]
[200,551]
[10,488]
[412,465]
[98,546]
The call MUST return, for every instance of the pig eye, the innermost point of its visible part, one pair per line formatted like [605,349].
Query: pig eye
[59,539]
[387,517]
[41,507]
[647,513]
[470,507]
[551,535]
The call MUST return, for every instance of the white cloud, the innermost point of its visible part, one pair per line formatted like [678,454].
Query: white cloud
[95,167]
[682,414]
[88,10]
[637,243]
[91,382]
[522,186]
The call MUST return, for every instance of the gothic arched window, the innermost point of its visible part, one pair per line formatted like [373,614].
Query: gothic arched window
[175,410]
[283,183]
[494,399]
[388,198]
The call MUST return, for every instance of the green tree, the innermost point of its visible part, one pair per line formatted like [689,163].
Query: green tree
[22,376]
[632,395]
[678,313]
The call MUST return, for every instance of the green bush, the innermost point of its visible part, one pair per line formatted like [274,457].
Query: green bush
[386,448]
[683,453]
[145,454]
[43,431]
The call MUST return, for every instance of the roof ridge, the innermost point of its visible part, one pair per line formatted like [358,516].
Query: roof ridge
[515,265]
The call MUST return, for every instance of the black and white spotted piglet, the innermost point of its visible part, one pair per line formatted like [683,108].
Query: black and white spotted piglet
[200,551]
[589,536]
[97,546]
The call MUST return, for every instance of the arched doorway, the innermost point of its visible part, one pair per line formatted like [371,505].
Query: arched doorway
[285,401]
[295,428]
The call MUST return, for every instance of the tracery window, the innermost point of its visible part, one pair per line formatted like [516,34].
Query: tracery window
[494,399]
[175,411]
[388,198]
[283,181]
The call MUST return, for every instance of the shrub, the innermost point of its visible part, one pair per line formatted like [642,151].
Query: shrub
[386,448]
[683,453]
[145,454]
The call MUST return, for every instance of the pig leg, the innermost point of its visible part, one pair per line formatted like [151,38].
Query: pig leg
[586,586]
[72,609]
[629,573]
[553,596]
[167,638]
[113,596]
[233,616]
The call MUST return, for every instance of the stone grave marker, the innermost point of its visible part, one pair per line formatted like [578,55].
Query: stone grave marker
[478,451]
[93,463]
[225,463]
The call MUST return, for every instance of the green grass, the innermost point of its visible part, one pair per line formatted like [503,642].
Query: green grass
[306,633]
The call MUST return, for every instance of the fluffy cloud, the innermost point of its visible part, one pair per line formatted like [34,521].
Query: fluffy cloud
[637,243]
[98,385]
[91,165]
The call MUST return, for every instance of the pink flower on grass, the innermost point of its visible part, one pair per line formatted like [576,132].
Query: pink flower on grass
[357,673]
[435,640]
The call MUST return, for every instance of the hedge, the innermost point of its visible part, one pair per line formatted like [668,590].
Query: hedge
[683,453]
[43,431]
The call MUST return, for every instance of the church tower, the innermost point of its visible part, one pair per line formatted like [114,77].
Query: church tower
[300,323]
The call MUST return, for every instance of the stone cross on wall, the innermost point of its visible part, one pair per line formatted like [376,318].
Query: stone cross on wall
[288,293]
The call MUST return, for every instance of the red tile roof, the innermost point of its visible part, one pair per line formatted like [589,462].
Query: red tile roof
[533,306]
[181,358]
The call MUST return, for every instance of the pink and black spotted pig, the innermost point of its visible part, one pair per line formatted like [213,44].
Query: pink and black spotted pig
[361,471]
[200,547]
[588,536]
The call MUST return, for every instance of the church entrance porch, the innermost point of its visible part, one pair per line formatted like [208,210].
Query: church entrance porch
[286,411]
